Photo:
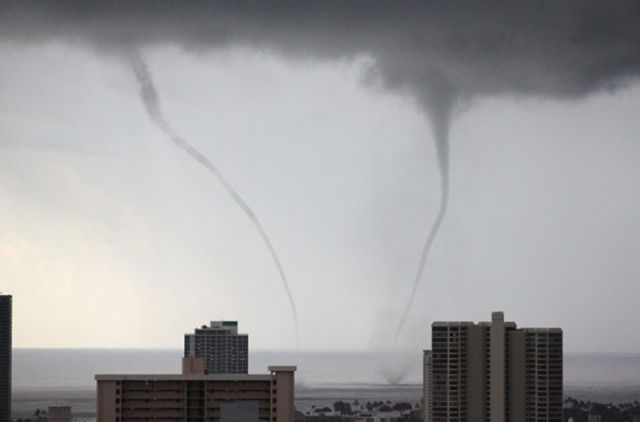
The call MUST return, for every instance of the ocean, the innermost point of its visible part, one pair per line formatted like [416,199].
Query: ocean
[65,377]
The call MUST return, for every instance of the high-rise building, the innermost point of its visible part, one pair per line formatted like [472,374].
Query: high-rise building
[426,391]
[495,372]
[5,357]
[223,349]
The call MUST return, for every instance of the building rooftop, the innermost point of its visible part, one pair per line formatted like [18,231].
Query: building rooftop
[282,368]
[450,323]
[542,330]
[196,377]
[495,317]
[222,326]
[180,377]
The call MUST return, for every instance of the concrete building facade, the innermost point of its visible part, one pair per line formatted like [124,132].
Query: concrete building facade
[223,349]
[6,304]
[59,414]
[194,397]
[495,372]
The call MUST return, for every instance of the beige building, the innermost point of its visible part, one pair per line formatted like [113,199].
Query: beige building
[59,414]
[494,372]
[196,396]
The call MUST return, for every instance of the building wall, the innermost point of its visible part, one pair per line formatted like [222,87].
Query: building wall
[106,403]
[188,400]
[477,371]
[516,376]
[495,372]
[497,368]
[283,390]
[543,381]
[59,414]
[426,386]
[191,398]
[5,357]
[193,366]
[449,372]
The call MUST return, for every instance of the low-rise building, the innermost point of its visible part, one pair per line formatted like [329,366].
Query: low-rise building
[59,414]
[196,396]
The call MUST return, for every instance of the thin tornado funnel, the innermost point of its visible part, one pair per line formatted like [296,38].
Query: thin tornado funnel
[440,114]
[150,98]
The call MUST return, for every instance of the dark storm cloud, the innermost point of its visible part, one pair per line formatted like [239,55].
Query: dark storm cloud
[464,47]
[437,52]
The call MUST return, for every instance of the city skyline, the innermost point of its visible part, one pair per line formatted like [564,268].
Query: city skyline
[106,225]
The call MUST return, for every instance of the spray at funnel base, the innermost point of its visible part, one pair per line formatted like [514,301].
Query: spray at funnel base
[151,100]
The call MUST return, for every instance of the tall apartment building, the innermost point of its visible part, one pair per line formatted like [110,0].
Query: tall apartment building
[426,390]
[197,397]
[495,372]
[223,349]
[5,357]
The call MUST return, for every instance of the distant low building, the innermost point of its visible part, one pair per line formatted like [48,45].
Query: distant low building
[196,396]
[59,414]
[193,366]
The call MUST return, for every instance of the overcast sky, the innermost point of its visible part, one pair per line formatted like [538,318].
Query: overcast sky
[111,236]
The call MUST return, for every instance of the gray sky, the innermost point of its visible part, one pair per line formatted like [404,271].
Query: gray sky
[112,236]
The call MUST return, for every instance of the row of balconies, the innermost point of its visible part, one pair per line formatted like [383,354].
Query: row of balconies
[218,386]
[179,411]
[218,395]
[159,416]
[173,395]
